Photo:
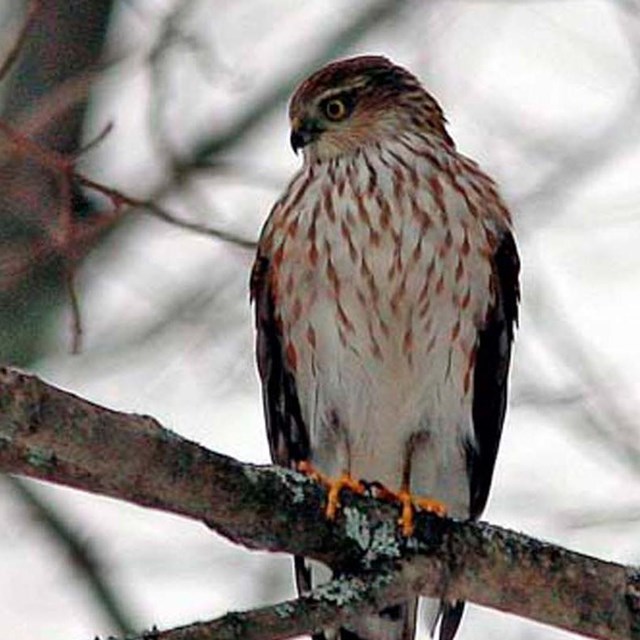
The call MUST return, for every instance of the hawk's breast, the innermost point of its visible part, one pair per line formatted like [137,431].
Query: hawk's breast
[382,276]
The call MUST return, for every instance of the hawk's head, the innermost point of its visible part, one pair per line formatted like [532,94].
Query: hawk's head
[358,101]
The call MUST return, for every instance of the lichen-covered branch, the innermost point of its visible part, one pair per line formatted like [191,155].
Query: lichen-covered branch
[52,435]
[332,604]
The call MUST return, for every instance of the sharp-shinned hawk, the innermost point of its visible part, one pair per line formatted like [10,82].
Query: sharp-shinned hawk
[386,295]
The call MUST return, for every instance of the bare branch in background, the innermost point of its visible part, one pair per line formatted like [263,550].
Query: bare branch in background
[72,239]
[217,142]
[84,559]
[118,199]
[15,49]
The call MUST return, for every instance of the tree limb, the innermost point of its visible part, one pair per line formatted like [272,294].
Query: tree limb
[334,603]
[52,435]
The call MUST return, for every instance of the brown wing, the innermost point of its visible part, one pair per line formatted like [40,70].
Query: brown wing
[489,395]
[491,373]
[287,433]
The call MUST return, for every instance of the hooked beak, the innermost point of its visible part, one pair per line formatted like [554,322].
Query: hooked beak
[303,133]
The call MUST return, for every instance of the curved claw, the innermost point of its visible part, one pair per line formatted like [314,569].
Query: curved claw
[345,481]
[334,486]
[409,504]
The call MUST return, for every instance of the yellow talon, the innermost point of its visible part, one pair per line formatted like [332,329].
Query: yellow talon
[345,481]
[406,515]
[409,504]
[431,505]
[334,486]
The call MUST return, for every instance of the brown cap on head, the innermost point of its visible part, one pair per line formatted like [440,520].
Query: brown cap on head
[359,71]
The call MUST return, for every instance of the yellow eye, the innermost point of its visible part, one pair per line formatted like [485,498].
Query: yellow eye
[335,109]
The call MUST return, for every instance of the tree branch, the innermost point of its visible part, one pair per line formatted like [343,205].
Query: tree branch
[52,435]
[335,603]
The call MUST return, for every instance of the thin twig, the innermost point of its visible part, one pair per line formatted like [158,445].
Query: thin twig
[161,213]
[95,141]
[21,38]
[60,163]
[76,314]
[69,252]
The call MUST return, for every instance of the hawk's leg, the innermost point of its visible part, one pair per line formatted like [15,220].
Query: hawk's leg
[334,485]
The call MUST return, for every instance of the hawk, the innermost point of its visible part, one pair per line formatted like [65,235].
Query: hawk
[386,295]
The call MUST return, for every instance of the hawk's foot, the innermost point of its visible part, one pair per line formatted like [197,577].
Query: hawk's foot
[334,485]
[409,504]
[305,467]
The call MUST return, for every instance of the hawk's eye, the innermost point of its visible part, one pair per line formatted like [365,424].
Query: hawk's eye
[336,109]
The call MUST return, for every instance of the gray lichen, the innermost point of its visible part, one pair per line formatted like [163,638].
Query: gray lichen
[357,527]
[341,592]
[252,473]
[384,544]
[293,482]
[378,543]
[41,459]
[285,610]
[385,540]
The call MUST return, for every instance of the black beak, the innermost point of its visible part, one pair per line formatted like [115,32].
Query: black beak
[303,132]
[300,138]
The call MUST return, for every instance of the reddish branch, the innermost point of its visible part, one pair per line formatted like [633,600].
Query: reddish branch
[119,199]
[64,166]
[71,238]
[51,435]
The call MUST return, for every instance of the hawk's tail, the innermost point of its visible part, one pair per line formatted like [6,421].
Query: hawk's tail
[448,613]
